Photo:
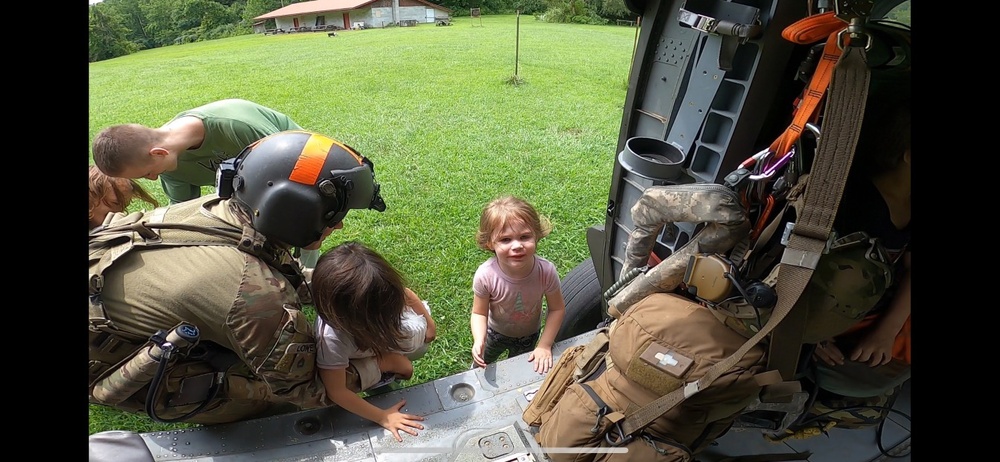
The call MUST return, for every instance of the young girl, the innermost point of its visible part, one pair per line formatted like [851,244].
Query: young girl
[510,285]
[369,327]
[110,195]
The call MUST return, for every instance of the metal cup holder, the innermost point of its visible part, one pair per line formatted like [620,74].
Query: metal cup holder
[652,158]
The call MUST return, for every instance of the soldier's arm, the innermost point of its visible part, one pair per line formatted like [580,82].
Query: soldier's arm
[899,307]
[274,338]
[876,347]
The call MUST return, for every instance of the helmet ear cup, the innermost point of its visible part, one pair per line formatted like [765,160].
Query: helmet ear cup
[332,195]
[290,213]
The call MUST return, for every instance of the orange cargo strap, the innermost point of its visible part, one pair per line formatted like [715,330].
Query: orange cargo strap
[805,31]
[813,28]
[813,95]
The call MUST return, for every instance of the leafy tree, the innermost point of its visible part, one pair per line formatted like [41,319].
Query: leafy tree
[108,37]
[130,14]
[615,9]
[573,11]
[203,15]
[256,8]
[530,6]
[162,20]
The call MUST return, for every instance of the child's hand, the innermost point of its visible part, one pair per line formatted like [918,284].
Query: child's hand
[477,354]
[874,349]
[543,359]
[431,330]
[394,421]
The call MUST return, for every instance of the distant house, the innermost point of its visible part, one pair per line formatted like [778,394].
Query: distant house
[347,14]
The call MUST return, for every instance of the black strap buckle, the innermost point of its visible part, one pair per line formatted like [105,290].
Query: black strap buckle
[617,440]
[601,412]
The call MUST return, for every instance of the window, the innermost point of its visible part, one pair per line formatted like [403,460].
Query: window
[320,20]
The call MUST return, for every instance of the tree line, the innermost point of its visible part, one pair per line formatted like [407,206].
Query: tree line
[121,27]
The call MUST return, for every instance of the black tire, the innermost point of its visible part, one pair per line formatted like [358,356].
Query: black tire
[582,293]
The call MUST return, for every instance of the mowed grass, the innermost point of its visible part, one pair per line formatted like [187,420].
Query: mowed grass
[435,109]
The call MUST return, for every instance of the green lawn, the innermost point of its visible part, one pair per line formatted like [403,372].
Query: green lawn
[436,110]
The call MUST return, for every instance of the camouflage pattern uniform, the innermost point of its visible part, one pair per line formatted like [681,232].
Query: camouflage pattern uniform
[236,300]
[716,206]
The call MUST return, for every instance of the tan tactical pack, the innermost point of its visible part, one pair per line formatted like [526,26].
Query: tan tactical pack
[657,346]
[185,224]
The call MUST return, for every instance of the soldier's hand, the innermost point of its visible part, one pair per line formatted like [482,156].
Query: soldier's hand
[828,352]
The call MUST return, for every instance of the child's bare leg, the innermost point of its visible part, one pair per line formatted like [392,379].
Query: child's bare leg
[397,364]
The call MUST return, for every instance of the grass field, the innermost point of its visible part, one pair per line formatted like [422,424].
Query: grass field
[437,110]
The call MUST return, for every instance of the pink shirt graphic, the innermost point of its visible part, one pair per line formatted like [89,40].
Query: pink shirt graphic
[515,304]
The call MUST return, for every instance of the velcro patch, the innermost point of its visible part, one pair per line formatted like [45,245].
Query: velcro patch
[297,357]
[666,360]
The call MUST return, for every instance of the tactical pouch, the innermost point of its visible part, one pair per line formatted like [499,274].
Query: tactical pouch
[586,418]
[209,390]
[846,284]
[574,364]
[660,344]
[849,279]
[666,340]
[649,446]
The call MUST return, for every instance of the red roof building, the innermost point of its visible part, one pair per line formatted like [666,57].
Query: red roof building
[346,14]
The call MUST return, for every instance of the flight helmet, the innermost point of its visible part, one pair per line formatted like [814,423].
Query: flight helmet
[296,183]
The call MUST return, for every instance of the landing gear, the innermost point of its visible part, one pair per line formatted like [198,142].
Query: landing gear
[582,293]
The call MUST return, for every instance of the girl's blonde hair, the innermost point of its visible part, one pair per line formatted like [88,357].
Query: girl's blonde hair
[509,209]
[124,190]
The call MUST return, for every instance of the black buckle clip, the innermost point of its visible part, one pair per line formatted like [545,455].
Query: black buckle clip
[621,437]
[601,412]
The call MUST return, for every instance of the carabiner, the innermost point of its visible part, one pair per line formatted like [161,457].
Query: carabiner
[769,169]
[753,159]
[855,31]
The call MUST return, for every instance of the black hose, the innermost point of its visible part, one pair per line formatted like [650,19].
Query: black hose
[627,278]
[154,389]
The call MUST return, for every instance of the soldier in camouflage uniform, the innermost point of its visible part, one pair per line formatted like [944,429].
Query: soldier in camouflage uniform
[877,201]
[222,264]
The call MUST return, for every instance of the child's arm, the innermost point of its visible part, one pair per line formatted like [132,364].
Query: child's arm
[556,309]
[417,305]
[335,382]
[875,348]
[480,311]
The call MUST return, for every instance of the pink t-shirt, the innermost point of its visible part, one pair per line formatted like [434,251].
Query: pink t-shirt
[515,304]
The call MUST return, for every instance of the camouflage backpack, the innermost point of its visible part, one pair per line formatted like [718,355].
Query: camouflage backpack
[184,224]
[849,279]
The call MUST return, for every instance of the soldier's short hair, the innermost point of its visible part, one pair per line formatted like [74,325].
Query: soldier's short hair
[119,146]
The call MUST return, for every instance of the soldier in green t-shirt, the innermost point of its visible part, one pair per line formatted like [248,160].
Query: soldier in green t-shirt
[185,152]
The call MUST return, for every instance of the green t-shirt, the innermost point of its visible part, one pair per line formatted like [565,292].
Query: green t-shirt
[230,126]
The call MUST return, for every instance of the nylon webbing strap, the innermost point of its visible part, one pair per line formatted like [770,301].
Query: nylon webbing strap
[842,123]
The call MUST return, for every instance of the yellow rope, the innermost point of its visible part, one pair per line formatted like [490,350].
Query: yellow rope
[802,433]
